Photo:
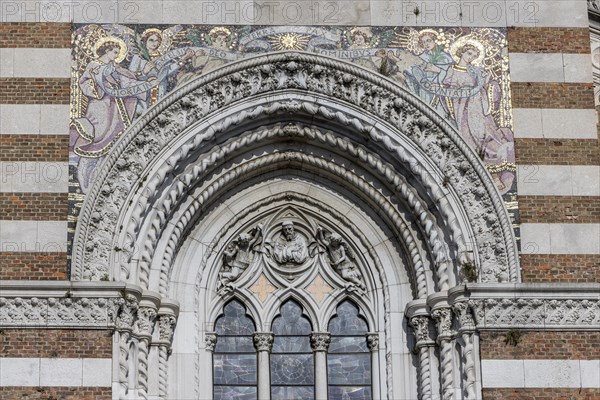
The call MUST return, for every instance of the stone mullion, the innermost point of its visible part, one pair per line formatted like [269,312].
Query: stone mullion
[263,342]
[420,325]
[319,342]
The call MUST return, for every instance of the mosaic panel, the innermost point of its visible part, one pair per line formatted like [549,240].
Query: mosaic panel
[119,71]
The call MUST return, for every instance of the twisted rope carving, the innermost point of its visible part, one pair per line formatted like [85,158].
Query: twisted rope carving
[424,373]
[123,364]
[179,189]
[469,366]
[447,369]
[143,368]
[163,356]
[275,60]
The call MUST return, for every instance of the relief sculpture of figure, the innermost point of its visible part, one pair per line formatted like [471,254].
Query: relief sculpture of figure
[289,246]
[237,257]
[341,259]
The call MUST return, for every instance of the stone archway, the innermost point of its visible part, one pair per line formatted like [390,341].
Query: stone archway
[358,134]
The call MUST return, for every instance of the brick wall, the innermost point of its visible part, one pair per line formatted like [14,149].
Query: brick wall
[56,343]
[541,394]
[557,151]
[540,345]
[33,206]
[33,266]
[34,90]
[34,147]
[56,393]
[574,268]
[552,95]
[548,40]
[31,35]
[562,209]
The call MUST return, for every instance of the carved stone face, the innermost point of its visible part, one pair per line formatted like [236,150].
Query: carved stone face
[288,231]
[244,240]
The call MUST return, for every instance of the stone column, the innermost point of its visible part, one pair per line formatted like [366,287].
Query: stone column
[445,335]
[210,342]
[166,326]
[319,342]
[125,318]
[373,344]
[420,325]
[467,331]
[263,341]
[143,331]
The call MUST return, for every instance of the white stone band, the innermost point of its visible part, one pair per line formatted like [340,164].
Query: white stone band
[35,63]
[43,119]
[33,176]
[540,373]
[560,238]
[558,180]
[553,123]
[33,236]
[550,67]
[72,372]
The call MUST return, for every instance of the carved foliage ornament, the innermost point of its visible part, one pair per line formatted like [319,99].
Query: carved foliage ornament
[125,164]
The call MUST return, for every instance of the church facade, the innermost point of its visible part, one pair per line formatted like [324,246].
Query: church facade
[299,200]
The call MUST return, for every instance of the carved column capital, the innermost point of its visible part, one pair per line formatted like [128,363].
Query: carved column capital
[443,318]
[464,315]
[166,328]
[144,324]
[319,341]
[126,314]
[373,341]
[420,325]
[210,340]
[263,341]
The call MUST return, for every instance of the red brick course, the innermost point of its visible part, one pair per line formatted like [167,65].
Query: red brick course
[34,147]
[33,266]
[573,268]
[549,40]
[34,90]
[557,151]
[552,95]
[55,393]
[55,343]
[35,35]
[548,345]
[559,209]
[541,394]
[33,206]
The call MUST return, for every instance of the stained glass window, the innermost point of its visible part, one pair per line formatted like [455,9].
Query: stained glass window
[292,364]
[348,358]
[234,358]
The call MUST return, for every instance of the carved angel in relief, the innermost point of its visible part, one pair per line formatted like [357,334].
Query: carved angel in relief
[237,257]
[341,258]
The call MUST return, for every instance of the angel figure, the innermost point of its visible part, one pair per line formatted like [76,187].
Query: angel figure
[341,258]
[220,42]
[476,97]
[154,58]
[237,257]
[107,94]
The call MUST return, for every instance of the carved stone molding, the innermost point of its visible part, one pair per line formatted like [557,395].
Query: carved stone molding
[263,341]
[58,312]
[336,80]
[319,341]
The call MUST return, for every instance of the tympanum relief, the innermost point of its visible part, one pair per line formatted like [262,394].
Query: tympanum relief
[290,253]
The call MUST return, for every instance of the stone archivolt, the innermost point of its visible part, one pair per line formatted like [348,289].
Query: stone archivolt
[346,87]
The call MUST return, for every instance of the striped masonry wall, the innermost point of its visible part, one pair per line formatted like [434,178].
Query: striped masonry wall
[556,140]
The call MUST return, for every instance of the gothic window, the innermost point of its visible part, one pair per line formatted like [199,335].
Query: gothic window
[234,359]
[292,365]
[348,358]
